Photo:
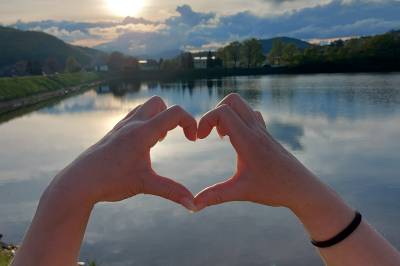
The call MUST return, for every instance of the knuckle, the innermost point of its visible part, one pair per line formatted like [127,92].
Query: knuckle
[176,108]
[224,107]
[233,96]
[158,102]
[157,99]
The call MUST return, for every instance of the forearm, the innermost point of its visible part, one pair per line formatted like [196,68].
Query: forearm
[324,214]
[57,230]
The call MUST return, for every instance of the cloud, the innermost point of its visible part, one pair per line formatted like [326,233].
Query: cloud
[189,29]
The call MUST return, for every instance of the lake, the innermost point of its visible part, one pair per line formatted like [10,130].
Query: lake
[346,128]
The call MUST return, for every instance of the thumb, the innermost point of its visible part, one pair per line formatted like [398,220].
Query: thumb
[169,189]
[217,194]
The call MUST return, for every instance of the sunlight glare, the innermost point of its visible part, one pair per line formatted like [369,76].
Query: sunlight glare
[125,7]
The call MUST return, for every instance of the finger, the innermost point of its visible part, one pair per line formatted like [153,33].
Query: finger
[168,189]
[241,107]
[163,137]
[260,118]
[127,118]
[217,194]
[227,122]
[152,107]
[132,112]
[170,119]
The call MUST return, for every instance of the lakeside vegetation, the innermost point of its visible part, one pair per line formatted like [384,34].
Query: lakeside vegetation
[5,257]
[18,87]
[371,53]
[250,56]
[380,53]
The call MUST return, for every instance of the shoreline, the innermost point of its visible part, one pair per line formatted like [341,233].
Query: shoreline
[19,103]
[190,74]
[14,105]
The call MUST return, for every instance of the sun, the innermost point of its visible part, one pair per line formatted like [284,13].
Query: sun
[125,8]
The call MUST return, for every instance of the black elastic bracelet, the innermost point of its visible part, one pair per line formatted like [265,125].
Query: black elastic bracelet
[342,235]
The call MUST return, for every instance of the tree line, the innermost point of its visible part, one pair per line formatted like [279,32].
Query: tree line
[380,52]
[247,54]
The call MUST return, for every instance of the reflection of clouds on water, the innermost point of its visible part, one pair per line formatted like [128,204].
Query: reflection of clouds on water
[344,127]
[287,133]
[359,96]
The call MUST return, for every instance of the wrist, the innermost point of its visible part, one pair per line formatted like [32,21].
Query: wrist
[322,212]
[70,188]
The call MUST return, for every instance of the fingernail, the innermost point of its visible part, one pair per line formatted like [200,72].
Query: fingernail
[188,203]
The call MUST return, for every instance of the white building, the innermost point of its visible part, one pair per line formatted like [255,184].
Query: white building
[201,62]
[148,65]
[101,68]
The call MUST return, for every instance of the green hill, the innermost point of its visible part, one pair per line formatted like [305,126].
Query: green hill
[17,45]
[267,43]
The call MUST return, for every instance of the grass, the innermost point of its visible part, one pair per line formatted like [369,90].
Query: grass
[18,87]
[5,258]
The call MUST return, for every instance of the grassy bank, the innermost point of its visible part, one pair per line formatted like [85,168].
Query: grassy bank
[5,257]
[19,87]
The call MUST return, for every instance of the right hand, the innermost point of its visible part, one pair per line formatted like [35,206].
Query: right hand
[266,172]
[119,165]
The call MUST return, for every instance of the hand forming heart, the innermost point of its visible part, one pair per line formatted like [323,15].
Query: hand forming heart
[266,173]
[119,166]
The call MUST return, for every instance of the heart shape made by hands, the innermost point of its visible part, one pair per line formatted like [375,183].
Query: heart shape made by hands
[254,179]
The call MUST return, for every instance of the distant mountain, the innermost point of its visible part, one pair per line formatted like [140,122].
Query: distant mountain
[156,52]
[267,43]
[168,54]
[17,45]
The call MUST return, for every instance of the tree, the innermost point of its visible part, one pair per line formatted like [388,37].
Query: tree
[275,55]
[20,68]
[210,60]
[72,65]
[171,64]
[233,51]
[51,66]
[290,54]
[131,63]
[116,61]
[34,68]
[222,55]
[252,53]
[187,61]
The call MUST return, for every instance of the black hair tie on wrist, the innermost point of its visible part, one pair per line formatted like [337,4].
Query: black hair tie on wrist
[341,236]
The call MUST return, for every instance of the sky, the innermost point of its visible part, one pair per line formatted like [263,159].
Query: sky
[143,27]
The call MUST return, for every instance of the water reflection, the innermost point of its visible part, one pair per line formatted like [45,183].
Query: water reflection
[344,127]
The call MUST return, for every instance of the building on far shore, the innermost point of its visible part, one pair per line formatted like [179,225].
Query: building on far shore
[200,62]
[149,65]
[101,68]
[206,60]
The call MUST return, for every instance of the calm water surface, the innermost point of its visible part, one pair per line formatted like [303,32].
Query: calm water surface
[346,128]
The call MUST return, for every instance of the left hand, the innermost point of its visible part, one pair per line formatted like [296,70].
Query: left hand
[266,172]
[119,166]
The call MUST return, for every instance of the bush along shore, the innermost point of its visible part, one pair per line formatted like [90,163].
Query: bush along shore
[7,252]
[20,92]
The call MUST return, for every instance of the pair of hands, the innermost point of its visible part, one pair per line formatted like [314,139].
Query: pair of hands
[119,166]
